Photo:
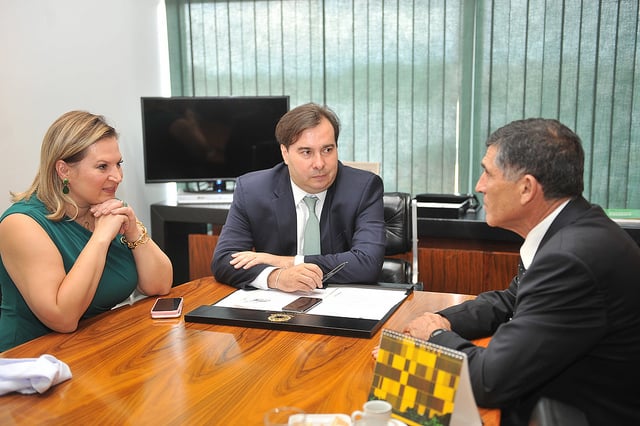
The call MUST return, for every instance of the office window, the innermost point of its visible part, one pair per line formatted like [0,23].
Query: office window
[420,84]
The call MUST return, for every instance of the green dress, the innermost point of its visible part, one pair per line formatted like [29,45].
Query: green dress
[119,278]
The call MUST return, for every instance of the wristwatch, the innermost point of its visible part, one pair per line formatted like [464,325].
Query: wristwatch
[436,332]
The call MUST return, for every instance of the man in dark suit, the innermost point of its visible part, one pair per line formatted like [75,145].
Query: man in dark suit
[262,243]
[568,326]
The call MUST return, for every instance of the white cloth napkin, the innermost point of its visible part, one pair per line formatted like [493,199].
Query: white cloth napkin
[31,375]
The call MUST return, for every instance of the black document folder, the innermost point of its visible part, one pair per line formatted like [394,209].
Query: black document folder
[299,322]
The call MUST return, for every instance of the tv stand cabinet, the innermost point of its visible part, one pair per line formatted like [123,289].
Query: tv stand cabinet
[171,224]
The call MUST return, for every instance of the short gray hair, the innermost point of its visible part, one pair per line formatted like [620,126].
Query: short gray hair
[545,149]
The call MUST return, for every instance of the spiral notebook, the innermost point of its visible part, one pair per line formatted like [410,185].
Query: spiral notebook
[427,384]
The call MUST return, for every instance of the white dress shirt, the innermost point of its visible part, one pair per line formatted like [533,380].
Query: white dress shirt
[302,213]
[532,242]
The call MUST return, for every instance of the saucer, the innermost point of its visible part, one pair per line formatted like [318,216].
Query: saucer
[326,419]
[392,422]
[340,419]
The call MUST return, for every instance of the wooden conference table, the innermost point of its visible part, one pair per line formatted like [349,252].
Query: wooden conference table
[130,369]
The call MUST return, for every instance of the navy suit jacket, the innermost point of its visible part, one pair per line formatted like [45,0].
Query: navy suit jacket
[568,329]
[263,217]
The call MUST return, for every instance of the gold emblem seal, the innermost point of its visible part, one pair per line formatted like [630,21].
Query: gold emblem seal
[279,317]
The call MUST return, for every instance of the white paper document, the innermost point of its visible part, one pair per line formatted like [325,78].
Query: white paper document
[347,302]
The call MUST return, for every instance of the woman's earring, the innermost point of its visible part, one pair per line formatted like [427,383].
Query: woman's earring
[65,186]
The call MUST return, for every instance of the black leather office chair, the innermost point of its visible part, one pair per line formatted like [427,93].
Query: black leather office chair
[401,228]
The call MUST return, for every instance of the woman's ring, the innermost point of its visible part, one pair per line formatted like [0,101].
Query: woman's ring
[124,203]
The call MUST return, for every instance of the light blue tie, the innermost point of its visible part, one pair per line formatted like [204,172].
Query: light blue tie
[311,244]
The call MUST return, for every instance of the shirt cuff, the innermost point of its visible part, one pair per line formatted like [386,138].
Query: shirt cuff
[261,280]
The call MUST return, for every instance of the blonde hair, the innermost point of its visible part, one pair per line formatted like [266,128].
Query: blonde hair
[66,139]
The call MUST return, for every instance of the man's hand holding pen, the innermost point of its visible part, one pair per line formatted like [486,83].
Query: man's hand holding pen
[304,277]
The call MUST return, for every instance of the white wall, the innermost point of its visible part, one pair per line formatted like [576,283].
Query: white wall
[94,55]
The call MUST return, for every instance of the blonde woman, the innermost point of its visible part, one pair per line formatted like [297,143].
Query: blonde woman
[69,248]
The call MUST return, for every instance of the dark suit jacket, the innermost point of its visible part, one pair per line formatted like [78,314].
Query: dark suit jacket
[568,330]
[263,216]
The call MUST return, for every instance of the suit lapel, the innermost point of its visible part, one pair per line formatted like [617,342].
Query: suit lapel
[325,220]
[328,240]
[284,211]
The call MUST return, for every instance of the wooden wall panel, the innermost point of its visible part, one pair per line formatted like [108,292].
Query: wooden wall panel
[201,248]
[451,271]
[465,271]
[499,270]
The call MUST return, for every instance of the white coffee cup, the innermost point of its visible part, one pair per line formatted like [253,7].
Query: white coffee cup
[374,413]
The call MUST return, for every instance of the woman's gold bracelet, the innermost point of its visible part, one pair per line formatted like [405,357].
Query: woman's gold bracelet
[143,238]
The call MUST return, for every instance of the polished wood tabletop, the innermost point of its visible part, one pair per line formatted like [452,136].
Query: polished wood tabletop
[130,369]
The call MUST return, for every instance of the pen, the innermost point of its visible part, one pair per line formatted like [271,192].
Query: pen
[333,271]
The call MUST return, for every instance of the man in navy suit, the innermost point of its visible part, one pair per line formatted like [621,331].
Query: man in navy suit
[568,326]
[261,244]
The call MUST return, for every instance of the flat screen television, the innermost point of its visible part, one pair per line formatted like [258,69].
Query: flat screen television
[200,139]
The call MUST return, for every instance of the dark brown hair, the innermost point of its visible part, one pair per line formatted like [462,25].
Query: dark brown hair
[304,117]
